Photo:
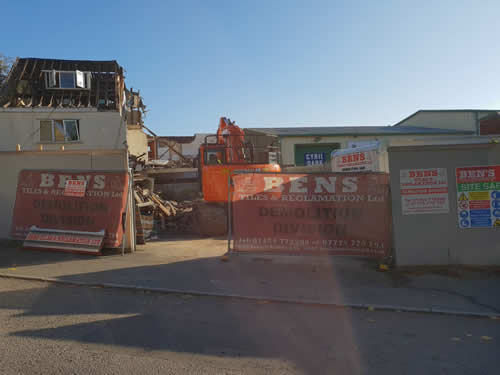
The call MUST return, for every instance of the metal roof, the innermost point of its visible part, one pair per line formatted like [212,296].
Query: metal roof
[321,131]
[444,111]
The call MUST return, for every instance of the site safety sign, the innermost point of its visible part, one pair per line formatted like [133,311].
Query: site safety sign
[478,196]
[334,213]
[424,191]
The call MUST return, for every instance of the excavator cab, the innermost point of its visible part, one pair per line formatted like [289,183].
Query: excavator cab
[222,154]
[214,156]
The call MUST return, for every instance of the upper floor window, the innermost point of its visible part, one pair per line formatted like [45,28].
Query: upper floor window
[55,79]
[53,131]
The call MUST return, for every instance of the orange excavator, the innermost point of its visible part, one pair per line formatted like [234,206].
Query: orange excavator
[226,152]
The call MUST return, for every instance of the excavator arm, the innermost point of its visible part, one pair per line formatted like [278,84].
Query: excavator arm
[233,138]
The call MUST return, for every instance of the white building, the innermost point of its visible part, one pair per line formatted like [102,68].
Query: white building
[81,105]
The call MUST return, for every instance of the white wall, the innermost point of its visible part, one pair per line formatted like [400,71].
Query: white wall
[98,129]
[191,149]
[459,120]
[186,149]
[106,160]
[288,143]
[137,142]
[431,239]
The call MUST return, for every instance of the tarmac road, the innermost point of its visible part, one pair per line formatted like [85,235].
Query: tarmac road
[56,329]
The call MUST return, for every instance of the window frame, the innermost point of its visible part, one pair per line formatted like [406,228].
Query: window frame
[87,80]
[52,128]
[215,150]
[67,74]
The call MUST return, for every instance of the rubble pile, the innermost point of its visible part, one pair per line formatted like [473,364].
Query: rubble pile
[196,216]
[182,163]
[171,216]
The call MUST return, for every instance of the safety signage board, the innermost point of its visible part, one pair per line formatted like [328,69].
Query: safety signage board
[424,191]
[75,188]
[478,196]
[333,213]
[41,202]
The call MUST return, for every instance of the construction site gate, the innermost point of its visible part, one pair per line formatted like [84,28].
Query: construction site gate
[320,213]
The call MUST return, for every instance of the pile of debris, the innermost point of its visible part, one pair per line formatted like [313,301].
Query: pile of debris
[169,215]
[182,163]
[195,217]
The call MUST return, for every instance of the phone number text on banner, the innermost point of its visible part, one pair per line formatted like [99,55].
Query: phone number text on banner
[42,200]
[333,213]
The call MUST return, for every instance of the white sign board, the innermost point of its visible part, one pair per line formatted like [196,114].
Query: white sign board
[424,191]
[356,161]
[75,188]
[353,144]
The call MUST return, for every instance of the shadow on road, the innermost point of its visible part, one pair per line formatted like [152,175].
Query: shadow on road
[308,337]
[17,256]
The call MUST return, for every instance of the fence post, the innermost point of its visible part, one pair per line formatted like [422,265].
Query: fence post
[229,208]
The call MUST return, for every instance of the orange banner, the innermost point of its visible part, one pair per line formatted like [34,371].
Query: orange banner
[337,213]
[41,201]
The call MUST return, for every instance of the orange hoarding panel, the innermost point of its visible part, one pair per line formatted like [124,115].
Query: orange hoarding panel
[335,213]
[41,200]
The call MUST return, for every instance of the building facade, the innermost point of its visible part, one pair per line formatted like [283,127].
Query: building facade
[455,119]
[82,105]
[313,145]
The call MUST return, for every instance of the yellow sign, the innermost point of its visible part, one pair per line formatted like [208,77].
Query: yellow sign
[462,197]
[496,223]
[479,196]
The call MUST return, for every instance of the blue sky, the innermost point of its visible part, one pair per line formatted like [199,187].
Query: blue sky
[274,62]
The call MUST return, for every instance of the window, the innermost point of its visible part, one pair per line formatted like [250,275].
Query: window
[66,80]
[55,79]
[52,131]
[214,156]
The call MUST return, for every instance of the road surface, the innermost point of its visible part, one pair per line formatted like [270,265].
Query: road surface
[47,328]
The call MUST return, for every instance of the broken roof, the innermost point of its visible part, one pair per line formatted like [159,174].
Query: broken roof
[94,84]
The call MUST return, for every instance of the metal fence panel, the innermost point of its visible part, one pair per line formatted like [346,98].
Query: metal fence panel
[332,213]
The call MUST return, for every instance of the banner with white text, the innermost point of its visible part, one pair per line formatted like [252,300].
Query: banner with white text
[335,213]
[42,200]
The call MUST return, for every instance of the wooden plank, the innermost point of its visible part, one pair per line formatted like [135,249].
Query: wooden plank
[80,100]
[164,209]
[167,204]
[41,71]
[145,204]
[174,210]
[33,69]
[24,69]
[137,197]
[138,224]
